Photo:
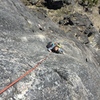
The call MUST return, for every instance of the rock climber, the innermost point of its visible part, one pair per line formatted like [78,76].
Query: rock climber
[54,47]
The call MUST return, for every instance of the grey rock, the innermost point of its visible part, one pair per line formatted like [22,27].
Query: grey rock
[24,34]
[69,2]
[33,1]
[81,27]
[78,20]
[90,31]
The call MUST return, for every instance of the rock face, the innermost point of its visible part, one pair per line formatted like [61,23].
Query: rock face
[30,2]
[81,27]
[75,75]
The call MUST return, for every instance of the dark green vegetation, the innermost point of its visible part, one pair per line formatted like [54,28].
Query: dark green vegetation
[90,2]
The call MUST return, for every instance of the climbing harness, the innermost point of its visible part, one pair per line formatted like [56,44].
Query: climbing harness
[26,73]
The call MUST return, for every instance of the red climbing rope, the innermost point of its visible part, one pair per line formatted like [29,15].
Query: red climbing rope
[26,73]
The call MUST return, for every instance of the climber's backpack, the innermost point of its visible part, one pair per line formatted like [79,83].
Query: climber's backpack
[49,45]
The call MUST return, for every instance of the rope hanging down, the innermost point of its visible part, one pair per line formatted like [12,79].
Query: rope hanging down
[26,73]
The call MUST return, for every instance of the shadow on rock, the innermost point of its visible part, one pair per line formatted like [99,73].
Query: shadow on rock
[53,5]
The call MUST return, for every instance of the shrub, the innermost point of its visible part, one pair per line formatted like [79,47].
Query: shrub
[90,2]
